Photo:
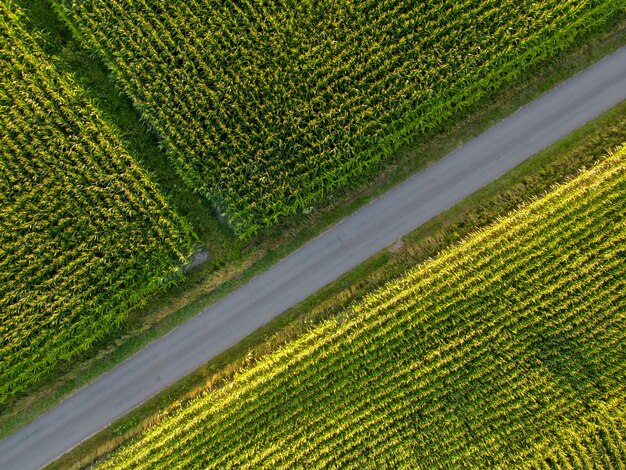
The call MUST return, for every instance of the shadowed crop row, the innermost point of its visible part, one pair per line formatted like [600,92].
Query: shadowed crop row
[84,235]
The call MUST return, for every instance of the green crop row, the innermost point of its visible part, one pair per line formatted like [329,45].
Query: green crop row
[84,235]
[499,352]
[265,107]
[600,444]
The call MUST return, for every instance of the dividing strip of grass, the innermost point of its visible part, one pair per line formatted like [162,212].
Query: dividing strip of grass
[144,145]
[534,177]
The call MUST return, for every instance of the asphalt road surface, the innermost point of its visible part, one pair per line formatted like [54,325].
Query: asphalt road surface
[319,262]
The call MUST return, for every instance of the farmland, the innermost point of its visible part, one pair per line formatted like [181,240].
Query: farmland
[503,350]
[85,236]
[266,107]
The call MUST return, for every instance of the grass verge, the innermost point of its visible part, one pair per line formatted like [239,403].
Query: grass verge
[234,261]
[534,177]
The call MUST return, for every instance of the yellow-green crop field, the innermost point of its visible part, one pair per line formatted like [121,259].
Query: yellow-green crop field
[84,235]
[507,350]
[267,106]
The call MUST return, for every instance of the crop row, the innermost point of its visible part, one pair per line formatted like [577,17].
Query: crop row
[84,235]
[268,106]
[601,444]
[493,354]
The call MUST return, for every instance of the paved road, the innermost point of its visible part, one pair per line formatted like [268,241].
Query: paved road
[319,262]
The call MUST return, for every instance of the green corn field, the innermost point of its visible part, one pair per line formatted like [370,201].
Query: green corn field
[507,350]
[268,106]
[84,235]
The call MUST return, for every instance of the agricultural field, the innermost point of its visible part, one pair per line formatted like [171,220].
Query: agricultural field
[504,350]
[266,107]
[85,236]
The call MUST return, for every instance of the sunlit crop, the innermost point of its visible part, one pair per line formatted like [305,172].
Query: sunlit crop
[267,106]
[507,350]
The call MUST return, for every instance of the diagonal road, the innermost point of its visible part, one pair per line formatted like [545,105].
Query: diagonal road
[319,262]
